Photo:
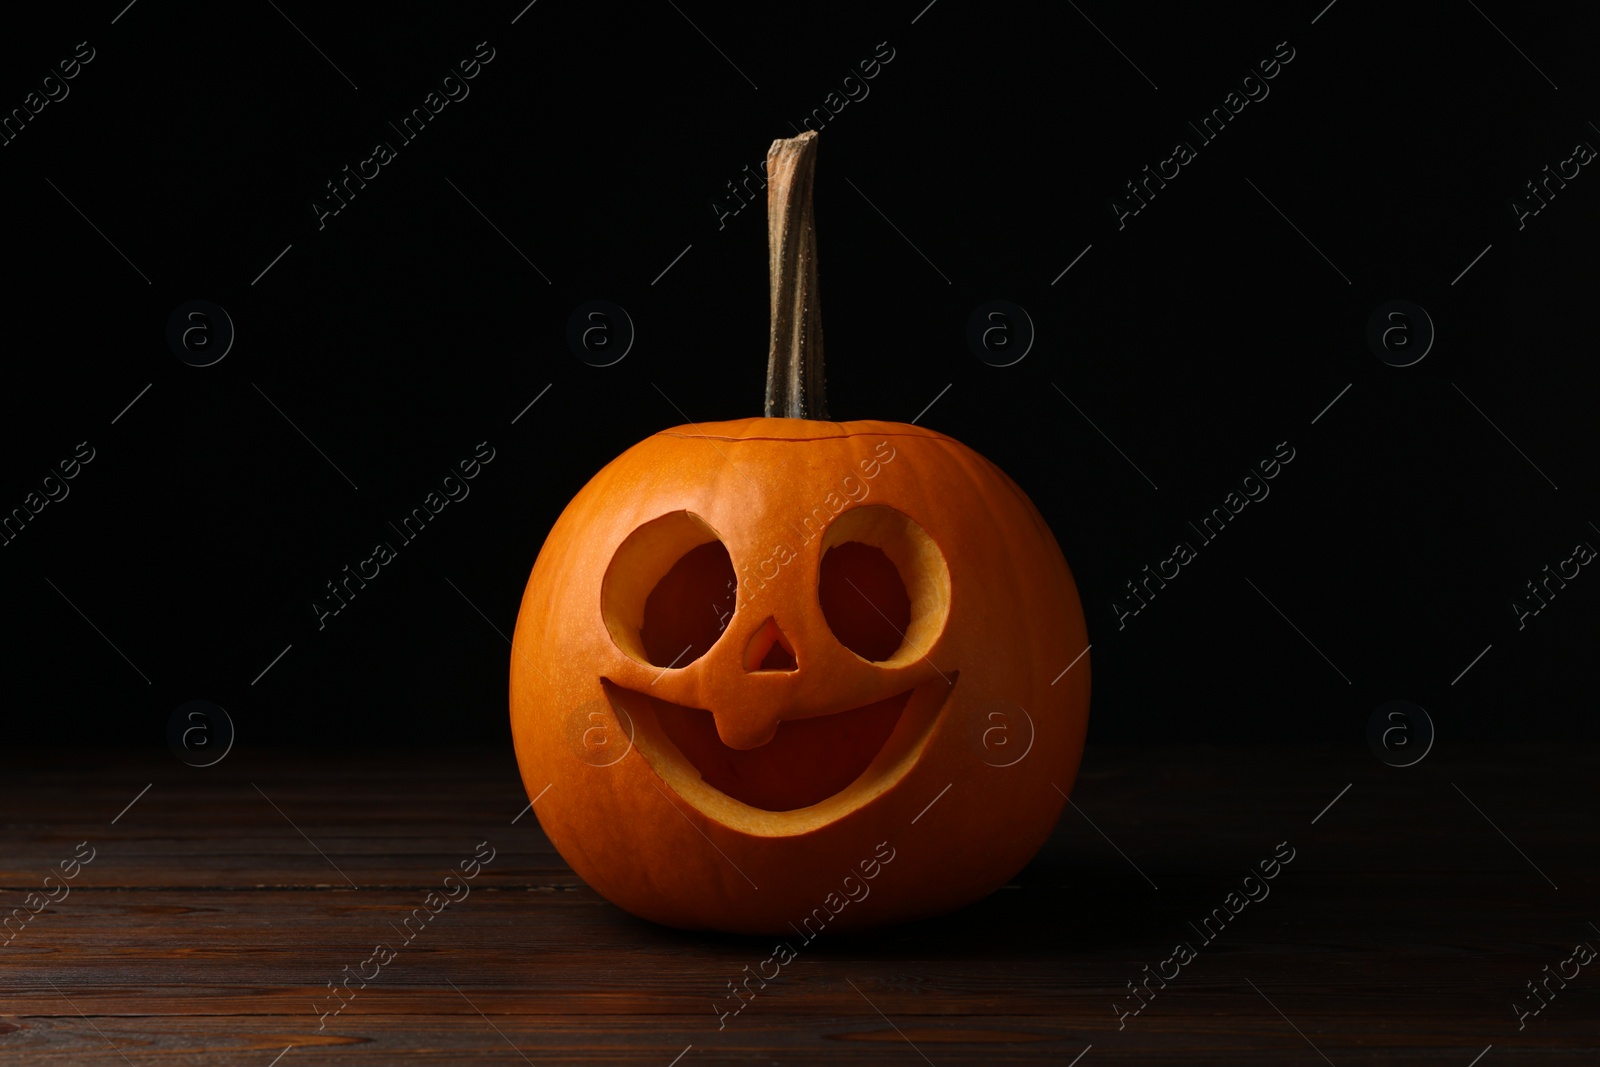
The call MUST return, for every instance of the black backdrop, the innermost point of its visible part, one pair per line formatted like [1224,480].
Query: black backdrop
[376,350]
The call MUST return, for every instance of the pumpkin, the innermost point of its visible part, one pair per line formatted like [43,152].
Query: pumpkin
[782,672]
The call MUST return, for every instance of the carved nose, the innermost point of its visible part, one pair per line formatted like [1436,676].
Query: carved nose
[769,649]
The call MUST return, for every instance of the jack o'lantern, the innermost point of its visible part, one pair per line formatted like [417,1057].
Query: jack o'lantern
[782,672]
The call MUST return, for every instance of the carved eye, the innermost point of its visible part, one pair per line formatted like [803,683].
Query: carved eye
[884,587]
[669,591]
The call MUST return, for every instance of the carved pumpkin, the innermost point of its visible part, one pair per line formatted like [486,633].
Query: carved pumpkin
[766,671]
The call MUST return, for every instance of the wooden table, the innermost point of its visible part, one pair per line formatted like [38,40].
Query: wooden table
[221,903]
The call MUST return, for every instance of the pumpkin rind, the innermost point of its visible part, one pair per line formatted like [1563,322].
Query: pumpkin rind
[648,834]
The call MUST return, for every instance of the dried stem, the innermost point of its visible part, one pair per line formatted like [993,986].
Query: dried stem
[795,384]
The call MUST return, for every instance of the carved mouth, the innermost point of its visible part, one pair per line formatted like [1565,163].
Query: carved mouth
[807,761]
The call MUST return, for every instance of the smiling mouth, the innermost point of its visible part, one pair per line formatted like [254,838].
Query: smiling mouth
[806,762]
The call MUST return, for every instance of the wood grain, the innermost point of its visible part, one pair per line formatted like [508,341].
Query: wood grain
[219,907]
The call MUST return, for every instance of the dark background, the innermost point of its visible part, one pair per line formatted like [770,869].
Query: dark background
[407,330]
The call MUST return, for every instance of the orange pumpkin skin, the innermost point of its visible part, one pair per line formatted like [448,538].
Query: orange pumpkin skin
[973,773]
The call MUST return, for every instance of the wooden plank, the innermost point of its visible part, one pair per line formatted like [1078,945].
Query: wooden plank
[208,928]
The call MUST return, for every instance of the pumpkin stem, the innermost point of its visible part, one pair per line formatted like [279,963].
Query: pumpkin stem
[795,385]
